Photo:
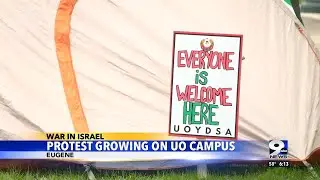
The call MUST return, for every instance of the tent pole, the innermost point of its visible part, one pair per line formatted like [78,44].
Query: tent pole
[202,171]
[89,172]
[311,169]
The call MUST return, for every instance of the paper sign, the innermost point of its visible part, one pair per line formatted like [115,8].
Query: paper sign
[205,85]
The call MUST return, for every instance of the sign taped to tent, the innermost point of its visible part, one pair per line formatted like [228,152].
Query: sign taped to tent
[205,85]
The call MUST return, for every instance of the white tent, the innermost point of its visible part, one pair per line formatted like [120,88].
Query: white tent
[121,53]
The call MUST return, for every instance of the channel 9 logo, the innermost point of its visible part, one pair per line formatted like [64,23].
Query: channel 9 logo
[278,149]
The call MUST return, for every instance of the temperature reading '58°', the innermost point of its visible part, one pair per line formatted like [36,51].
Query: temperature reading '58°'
[272,164]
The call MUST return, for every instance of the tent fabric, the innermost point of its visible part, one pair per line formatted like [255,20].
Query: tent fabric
[120,55]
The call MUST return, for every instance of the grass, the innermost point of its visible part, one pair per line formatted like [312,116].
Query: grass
[218,173]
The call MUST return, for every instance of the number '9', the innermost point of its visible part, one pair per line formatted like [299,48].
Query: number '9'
[276,145]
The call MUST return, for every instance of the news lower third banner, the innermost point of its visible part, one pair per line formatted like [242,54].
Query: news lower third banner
[107,150]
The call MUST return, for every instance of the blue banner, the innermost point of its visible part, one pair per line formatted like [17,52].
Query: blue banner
[128,146]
